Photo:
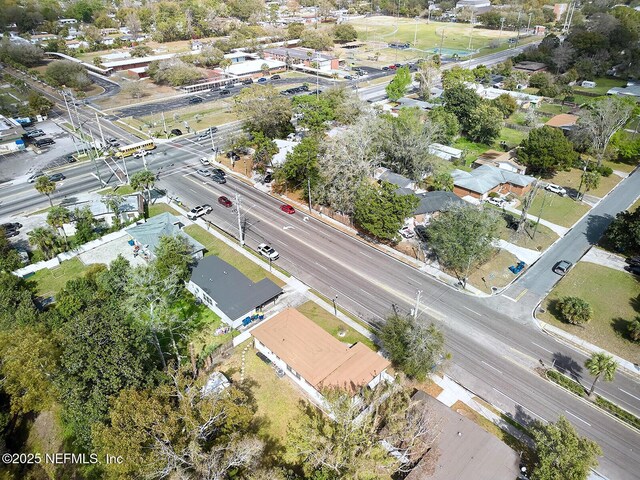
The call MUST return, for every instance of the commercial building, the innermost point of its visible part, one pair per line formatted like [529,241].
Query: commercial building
[305,56]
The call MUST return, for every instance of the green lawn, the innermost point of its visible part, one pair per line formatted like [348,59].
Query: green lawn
[50,281]
[495,271]
[333,325]
[543,238]
[123,190]
[603,84]
[571,181]
[217,247]
[158,208]
[473,150]
[562,211]
[552,108]
[612,294]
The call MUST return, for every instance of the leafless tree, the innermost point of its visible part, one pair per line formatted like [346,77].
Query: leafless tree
[562,56]
[427,75]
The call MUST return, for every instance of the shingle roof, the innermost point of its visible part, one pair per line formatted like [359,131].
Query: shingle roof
[165,224]
[437,201]
[233,293]
[319,358]
[484,178]
[394,178]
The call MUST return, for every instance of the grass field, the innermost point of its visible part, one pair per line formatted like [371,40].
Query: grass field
[562,211]
[611,312]
[51,281]
[571,181]
[473,150]
[543,238]
[333,325]
[159,208]
[495,272]
[217,247]
[603,84]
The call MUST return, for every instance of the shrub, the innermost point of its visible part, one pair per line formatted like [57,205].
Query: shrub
[634,329]
[605,171]
[566,382]
[616,411]
[575,310]
[493,194]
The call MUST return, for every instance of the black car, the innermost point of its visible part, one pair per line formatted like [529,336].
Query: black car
[275,77]
[268,178]
[635,269]
[56,177]
[224,92]
[213,129]
[11,233]
[176,131]
[421,232]
[303,88]
[218,178]
[195,100]
[385,68]
[633,261]
[11,226]
[247,81]
[218,172]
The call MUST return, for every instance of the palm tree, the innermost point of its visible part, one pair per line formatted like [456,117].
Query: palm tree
[57,217]
[143,180]
[46,187]
[113,201]
[601,364]
[45,239]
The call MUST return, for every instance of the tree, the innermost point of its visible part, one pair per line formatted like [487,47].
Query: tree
[345,32]
[461,237]
[264,110]
[381,212]
[461,101]
[22,53]
[143,181]
[442,181]
[301,165]
[316,39]
[58,216]
[398,86]
[141,51]
[506,104]
[600,364]
[295,30]
[67,73]
[485,124]
[113,202]
[45,187]
[546,150]
[602,120]
[39,104]
[315,111]
[456,76]
[575,310]
[590,180]
[46,240]
[265,149]
[624,232]
[174,72]
[427,76]
[413,346]
[449,127]
[173,253]
[561,453]
[85,223]
[9,258]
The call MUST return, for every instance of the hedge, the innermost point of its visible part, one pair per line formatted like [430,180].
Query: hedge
[565,382]
[616,411]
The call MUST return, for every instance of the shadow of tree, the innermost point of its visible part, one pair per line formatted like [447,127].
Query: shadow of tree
[621,328]
[596,226]
[554,308]
[635,303]
[567,365]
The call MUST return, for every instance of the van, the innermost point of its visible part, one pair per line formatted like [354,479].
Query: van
[44,141]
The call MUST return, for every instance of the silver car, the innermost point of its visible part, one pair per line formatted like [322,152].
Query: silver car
[204,172]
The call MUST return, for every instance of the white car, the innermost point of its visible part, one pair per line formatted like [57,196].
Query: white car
[268,251]
[497,201]
[199,211]
[205,161]
[204,172]
[555,189]
[142,153]
[406,232]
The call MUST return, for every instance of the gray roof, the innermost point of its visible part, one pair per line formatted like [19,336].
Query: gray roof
[630,91]
[484,178]
[233,293]
[165,224]
[130,203]
[463,450]
[395,179]
[437,201]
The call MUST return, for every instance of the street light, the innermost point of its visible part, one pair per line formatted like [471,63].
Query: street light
[335,308]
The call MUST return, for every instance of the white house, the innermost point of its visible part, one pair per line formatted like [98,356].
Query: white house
[131,208]
[445,152]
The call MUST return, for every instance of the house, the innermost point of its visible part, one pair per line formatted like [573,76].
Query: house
[491,93]
[107,41]
[306,56]
[254,68]
[67,21]
[42,38]
[473,4]
[228,293]
[463,449]
[412,103]
[432,203]
[630,90]
[146,236]
[384,174]
[530,67]
[77,44]
[445,152]
[485,179]
[563,121]
[504,160]
[284,148]
[11,133]
[131,208]
[314,359]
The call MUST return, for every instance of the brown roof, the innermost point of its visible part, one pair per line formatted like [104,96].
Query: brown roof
[318,357]
[495,158]
[562,120]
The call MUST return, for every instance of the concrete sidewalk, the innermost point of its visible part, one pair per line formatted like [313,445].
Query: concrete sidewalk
[562,231]
[606,259]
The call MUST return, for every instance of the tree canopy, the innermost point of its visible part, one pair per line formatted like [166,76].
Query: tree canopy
[546,150]
[264,110]
[398,86]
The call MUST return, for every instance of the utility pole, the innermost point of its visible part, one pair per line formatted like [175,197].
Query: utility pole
[470,32]
[518,28]
[240,232]
[73,127]
[415,310]
[501,27]
[104,144]
[529,24]
[164,123]
[441,41]
[415,33]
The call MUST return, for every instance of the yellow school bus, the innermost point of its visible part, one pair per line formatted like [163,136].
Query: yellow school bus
[129,150]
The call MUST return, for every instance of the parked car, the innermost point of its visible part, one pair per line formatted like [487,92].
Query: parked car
[348,77]
[633,261]
[635,269]
[35,133]
[406,232]
[218,179]
[421,232]
[11,233]
[275,77]
[286,208]
[497,201]
[555,189]
[204,172]
[195,100]
[225,202]
[562,267]
[268,251]
[35,176]
[218,172]
[392,67]
[262,80]
[176,131]
[56,177]
[385,68]
[268,178]
[198,211]
[11,226]
[43,142]
[205,161]
[70,158]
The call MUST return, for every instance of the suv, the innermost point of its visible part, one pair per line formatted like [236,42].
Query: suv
[195,100]
[218,179]
[275,77]
[35,133]
[44,141]
[562,267]
[268,251]
[247,81]
[406,232]
[199,211]
[176,131]
[555,189]
[56,177]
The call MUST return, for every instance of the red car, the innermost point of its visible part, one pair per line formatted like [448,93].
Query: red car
[392,67]
[287,209]
[225,202]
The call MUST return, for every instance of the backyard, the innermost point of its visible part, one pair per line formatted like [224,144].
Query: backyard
[50,281]
[611,312]
[473,150]
[217,247]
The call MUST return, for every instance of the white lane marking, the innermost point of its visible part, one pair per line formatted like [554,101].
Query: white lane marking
[521,406]
[321,266]
[473,311]
[509,298]
[574,415]
[491,366]
[631,395]
[282,243]
[540,346]
[367,293]
[365,254]
[193,190]
[287,227]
